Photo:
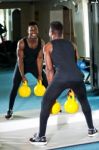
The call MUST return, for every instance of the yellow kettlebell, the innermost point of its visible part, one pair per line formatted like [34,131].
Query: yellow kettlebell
[39,89]
[71,105]
[24,90]
[56,108]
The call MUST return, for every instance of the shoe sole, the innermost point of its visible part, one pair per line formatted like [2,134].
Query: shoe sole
[9,118]
[38,143]
[92,135]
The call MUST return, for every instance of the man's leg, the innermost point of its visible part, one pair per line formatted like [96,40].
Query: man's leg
[16,82]
[52,93]
[80,91]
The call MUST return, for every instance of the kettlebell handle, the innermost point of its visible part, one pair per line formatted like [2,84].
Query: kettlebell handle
[40,82]
[71,94]
[25,82]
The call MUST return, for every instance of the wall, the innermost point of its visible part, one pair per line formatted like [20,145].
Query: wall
[81,28]
[78,26]
[31,10]
[56,15]
[27,16]
[27,13]
[46,14]
[43,19]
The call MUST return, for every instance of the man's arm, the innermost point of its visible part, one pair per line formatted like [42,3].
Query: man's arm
[40,64]
[20,56]
[76,51]
[40,61]
[48,62]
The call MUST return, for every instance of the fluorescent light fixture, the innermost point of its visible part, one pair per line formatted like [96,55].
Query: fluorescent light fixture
[63,1]
[94,1]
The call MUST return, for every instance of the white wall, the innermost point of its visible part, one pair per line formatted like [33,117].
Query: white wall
[80,19]
[56,15]
[86,27]
[81,28]
[47,13]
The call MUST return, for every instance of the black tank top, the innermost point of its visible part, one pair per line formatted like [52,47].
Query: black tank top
[63,57]
[30,54]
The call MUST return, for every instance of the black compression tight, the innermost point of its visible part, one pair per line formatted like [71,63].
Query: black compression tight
[17,80]
[53,91]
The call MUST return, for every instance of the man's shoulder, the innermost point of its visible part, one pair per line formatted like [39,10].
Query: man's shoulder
[48,46]
[22,40]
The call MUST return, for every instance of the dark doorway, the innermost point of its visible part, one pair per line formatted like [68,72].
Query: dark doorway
[16,23]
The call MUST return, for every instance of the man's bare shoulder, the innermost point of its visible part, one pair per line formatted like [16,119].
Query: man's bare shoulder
[21,43]
[48,46]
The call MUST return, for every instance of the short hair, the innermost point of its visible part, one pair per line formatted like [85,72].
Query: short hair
[32,23]
[56,26]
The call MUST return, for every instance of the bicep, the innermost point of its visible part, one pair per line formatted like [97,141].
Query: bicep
[48,60]
[20,47]
[40,54]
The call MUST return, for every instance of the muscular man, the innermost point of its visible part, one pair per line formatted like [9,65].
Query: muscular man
[29,60]
[60,53]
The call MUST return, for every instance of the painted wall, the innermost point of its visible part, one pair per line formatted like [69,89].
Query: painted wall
[47,14]
[81,28]
[42,13]
[43,19]
[78,27]
[27,13]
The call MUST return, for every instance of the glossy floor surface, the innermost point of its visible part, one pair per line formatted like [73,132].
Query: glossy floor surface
[63,129]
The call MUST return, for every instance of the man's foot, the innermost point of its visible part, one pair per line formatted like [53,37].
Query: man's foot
[36,140]
[92,132]
[9,114]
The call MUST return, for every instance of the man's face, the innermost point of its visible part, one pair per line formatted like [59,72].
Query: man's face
[33,31]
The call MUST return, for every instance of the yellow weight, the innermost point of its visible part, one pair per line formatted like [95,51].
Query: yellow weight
[24,90]
[71,105]
[56,108]
[39,89]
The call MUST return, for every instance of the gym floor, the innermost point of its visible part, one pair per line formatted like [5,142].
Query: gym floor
[14,134]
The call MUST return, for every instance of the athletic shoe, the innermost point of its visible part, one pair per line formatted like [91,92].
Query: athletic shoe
[36,140]
[92,132]
[9,114]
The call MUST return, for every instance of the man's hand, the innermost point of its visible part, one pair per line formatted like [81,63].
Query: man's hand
[39,78]
[24,79]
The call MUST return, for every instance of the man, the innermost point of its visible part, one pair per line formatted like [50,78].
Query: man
[29,60]
[60,53]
